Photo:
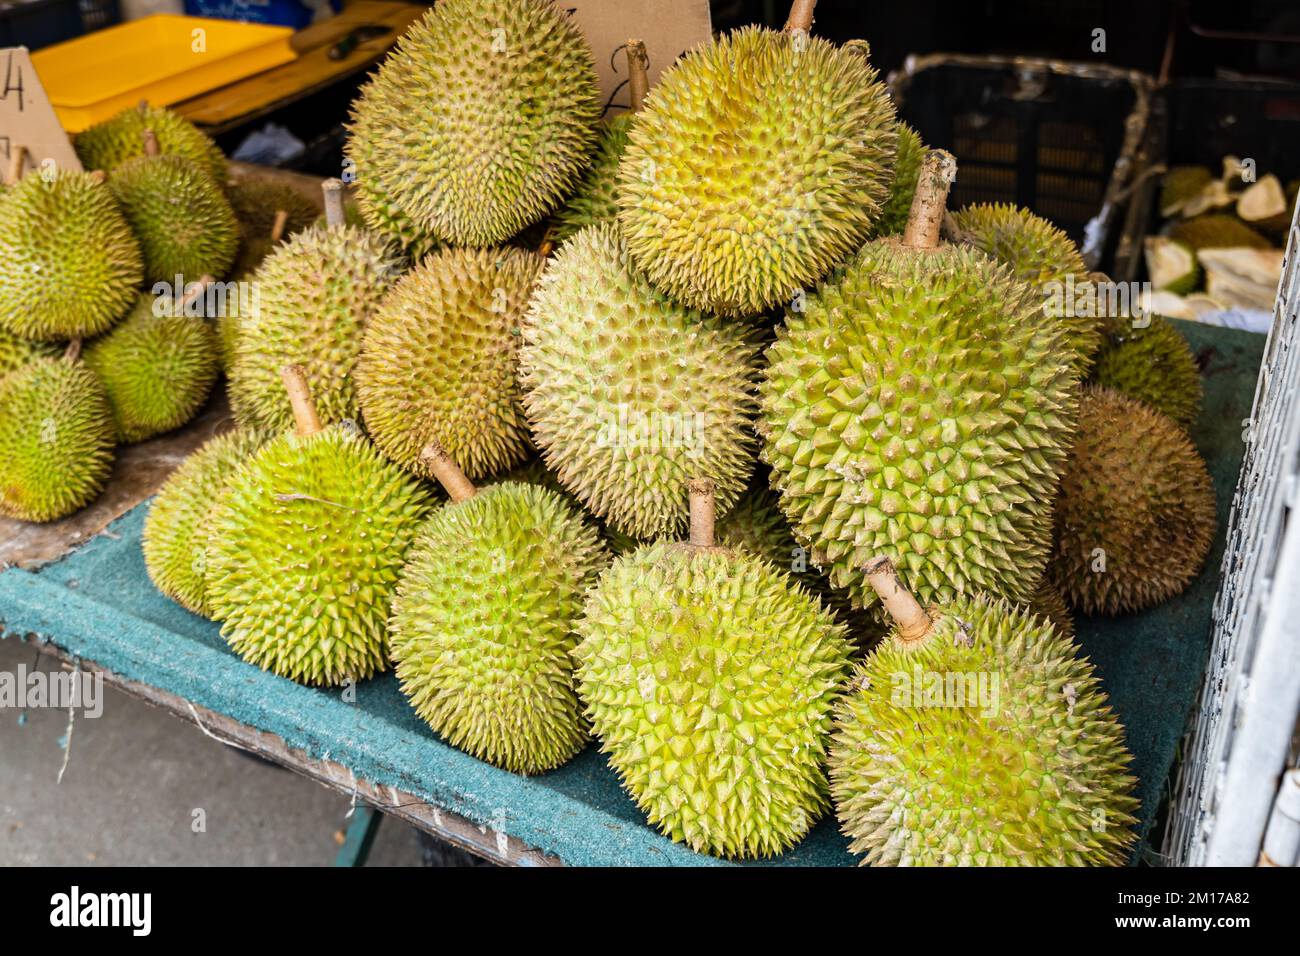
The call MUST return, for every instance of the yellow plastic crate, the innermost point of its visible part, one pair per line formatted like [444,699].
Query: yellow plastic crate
[162,59]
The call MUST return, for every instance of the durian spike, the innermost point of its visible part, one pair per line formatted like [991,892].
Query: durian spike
[17,157]
[638,73]
[304,410]
[702,512]
[151,147]
[72,352]
[931,200]
[913,623]
[801,16]
[194,293]
[281,223]
[334,215]
[448,473]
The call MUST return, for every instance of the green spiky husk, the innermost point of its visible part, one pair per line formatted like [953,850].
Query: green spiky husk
[1043,256]
[1217,231]
[16,352]
[471,141]
[71,263]
[255,202]
[439,361]
[494,675]
[304,551]
[56,439]
[1048,603]
[109,144]
[908,158]
[316,292]
[595,199]
[709,680]
[926,773]
[176,531]
[1153,364]
[157,370]
[758,163]
[917,408]
[631,395]
[377,209]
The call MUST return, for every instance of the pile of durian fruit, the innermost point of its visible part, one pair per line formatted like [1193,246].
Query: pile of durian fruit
[705,431]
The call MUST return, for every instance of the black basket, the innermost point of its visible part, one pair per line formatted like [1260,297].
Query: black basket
[41,23]
[1057,138]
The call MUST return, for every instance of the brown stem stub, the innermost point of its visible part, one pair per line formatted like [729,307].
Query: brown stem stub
[278,227]
[448,473]
[801,16]
[304,410]
[17,159]
[151,147]
[334,214]
[73,351]
[638,73]
[702,512]
[931,200]
[99,177]
[913,623]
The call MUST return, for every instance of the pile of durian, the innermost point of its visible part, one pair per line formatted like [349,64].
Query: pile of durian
[688,431]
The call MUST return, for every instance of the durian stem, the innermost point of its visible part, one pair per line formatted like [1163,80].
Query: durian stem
[334,215]
[151,147]
[702,512]
[281,223]
[304,410]
[913,623]
[931,200]
[448,473]
[638,73]
[547,245]
[17,159]
[801,16]
[73,351]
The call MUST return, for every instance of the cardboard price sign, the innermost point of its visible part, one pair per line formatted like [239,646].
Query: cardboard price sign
[27,119]
[668,27]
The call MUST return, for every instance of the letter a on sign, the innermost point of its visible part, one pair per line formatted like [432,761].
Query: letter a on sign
[28,120]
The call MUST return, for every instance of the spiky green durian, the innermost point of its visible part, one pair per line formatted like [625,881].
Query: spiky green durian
[56,439]
[156,368]
[493,674]
[256,201]
[304,551]
[16,352]
[1217,231]
[630,394]
[1135,516]
[1048,604]
[987,741]
[377,209]
[440,356]
[71,263]
[113,142]
[481,121]
[1153,363]
[175,536]
[1179,185]
[181,217]
[759,162]
[902,187]
[918,407]
[709,679]
[315,294]
[595,199]
[1041,255]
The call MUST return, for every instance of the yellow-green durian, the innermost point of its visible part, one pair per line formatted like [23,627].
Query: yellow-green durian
[114,141]
[1148,359]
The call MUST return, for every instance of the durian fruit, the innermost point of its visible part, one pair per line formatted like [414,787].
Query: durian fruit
[1048,603]
[1135,516]
[481,121]
[709,679]
[181,217]
[379,213]
[157,367]
[16,352]
[305,547]
[109,144]
[440,356]
[760,162]
[920,407]
[1264,206]
[1180,185]
[630,394]
[315,294]
[1153,363]
[1171,264]
[975,735]
[909,156]
[482,626]
[257,202]
[176,530]
[1041,255]
[1217,231]
[56,438]
[71,263]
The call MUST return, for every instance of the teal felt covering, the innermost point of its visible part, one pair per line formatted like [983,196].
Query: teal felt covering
[98,604]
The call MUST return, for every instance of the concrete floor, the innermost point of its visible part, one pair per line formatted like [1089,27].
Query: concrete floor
[135,778]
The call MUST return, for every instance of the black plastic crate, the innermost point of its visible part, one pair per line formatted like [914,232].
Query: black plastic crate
[1055,137]
[40,23]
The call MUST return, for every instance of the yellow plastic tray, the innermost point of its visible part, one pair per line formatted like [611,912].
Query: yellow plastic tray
[162,59]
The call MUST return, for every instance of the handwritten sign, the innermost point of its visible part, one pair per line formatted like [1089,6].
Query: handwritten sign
[668,27]
[27,118]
